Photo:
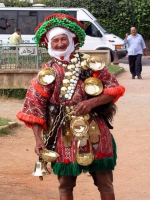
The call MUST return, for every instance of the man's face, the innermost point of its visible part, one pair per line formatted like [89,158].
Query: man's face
[60,42]
[133,31]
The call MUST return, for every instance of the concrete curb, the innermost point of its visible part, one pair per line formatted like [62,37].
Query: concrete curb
[10,125]
[119,71]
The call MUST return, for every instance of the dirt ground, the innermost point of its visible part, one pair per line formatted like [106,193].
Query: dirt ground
[132,134]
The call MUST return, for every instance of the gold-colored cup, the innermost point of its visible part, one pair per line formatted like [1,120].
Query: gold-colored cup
[84,159]
[48,155]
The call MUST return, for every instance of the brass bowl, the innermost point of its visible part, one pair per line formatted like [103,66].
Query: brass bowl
[85,159]
[95,63]
[48,155]
[46,76]
[79,126]
[93,86]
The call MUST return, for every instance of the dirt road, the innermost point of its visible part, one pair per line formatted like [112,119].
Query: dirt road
[132,134]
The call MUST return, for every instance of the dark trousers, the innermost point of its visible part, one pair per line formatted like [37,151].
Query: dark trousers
[135,64]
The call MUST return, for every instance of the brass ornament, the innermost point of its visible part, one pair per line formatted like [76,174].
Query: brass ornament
[84,159]
[94,132]
[93,86]
[67,140]
[63,90]
[71,67]
[95,63]
[66,82]
[48,155]
[46,76]
[83,141]
[79,126]
[68,75]
[40,169]
[84,65]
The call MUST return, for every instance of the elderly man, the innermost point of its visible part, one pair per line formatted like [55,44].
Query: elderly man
[136,47]
[70,105]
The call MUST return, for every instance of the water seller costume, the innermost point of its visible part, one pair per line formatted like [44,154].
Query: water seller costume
[51,105]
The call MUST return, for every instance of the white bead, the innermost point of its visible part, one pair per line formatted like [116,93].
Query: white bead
[71,80]
[66,96]
[76,69]
[72,91]
[69,88]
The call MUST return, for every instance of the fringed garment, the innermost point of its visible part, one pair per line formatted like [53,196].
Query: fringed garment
[34,110]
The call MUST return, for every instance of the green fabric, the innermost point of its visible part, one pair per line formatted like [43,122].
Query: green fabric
[74,169]
[64,22]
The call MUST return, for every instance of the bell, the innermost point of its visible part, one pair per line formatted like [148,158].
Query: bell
[40,169]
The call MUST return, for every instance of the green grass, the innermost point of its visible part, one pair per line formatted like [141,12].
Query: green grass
[4,131]
[3,121]
[113,68]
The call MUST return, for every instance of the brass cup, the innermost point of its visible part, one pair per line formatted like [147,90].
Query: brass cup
[93,86]
[48,155]
[46,76]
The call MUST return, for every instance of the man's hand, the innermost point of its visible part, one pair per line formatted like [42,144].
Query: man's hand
[37,129]
[39,145]
[83,108]
[145,52]
[126,36]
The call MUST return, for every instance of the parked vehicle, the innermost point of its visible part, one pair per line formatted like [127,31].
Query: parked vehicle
[27,18]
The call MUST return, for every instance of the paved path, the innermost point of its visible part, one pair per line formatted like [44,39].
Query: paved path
[132,134]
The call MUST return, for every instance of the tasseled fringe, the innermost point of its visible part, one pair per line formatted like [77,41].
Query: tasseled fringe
[117,91]
[30,119]
[74,169]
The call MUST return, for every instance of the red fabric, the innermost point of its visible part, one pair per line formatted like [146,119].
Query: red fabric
[35,106]
[29,119]
[117,91]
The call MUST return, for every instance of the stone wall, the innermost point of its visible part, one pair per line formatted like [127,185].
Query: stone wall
[16,78]
[20,78]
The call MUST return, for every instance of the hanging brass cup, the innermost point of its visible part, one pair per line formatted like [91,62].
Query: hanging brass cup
[93,86]
[95,63]
[46,76]
[84,159]
[79,126]
[48,155]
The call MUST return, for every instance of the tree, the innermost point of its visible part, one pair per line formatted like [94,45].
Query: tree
[117,16]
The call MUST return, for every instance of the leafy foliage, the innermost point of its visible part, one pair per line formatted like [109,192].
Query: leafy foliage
[117,16]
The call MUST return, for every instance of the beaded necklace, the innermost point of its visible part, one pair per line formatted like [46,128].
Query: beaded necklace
[71,76]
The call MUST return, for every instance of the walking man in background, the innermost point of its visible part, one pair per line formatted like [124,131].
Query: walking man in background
[136,47]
